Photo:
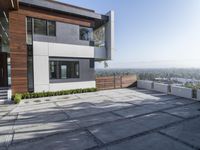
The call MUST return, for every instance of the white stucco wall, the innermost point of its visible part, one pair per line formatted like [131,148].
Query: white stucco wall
[69,50]
[160,87]
[100,53]
[144,84]
[181,91]
[110,35]
[72,85]
[41,53]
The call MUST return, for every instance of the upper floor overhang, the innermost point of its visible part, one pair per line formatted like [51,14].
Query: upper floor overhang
[8,5]
[63,8]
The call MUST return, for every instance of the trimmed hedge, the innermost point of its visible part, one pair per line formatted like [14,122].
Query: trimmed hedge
[18,98]
[50,94]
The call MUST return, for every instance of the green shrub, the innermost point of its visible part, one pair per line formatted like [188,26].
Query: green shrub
[17,98]
[49,94]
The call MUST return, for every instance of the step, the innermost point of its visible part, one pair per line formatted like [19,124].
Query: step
[4,97]
[5,93]
[4,88]
[3,101]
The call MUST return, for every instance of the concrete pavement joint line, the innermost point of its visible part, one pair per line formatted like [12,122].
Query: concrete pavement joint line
[62,110]
[8,113]
[121,119]
[13,128]
[108,121]
[124,118]
[178,140]
[173,115]
[138,135]
[97,140]
[127,107]
[43,137]
[12,132]
[42,124]
[116,114]
[107,144]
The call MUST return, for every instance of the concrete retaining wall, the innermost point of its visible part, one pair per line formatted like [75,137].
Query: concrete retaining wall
[198,94]
[181,91]
[164,88]
[144,84]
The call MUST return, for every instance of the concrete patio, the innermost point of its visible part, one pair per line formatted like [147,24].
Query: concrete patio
[130,119]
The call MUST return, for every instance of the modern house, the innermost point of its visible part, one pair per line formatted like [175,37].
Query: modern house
[47,45]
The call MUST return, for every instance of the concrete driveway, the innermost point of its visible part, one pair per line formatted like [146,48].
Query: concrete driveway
[129,119]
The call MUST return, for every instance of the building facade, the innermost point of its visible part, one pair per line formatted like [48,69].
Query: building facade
[49,46]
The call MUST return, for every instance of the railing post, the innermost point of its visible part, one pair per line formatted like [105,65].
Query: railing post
[114,78]
[121,81]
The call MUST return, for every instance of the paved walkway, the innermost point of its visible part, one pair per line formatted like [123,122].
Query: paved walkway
[129,119]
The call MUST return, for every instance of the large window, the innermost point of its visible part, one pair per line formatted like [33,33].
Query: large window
[99,37]
[30,68]
[63,69]
[40,26]
[44,27]
[51,28]
[86,34]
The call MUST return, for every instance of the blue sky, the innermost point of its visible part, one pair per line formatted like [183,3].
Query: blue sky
[152,33]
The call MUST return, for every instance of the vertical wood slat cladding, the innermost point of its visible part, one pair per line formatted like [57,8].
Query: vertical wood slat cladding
[18,47]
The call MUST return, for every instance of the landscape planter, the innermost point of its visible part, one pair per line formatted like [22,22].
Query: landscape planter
[181,92]
[160,87]
[144,84]
[198,94]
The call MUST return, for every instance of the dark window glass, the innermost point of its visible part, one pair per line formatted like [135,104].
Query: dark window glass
[29,32]
[51,26]
[29,25]
[40,26]
[53,69]
[64,69]
[91,63]
[30,69]
[86,34]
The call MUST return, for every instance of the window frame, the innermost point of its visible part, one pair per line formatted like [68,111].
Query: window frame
[48,21]
[91,38]
[46,25]
[29,35]
[92,63]
[59,62]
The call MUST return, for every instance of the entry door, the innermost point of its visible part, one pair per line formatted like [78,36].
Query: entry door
[3,70]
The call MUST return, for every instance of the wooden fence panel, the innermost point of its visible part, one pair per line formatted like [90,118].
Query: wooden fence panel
[115,82]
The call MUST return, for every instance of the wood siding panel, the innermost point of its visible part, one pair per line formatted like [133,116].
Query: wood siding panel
[50,15]
[115,82]
[18,47]
[18,52]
